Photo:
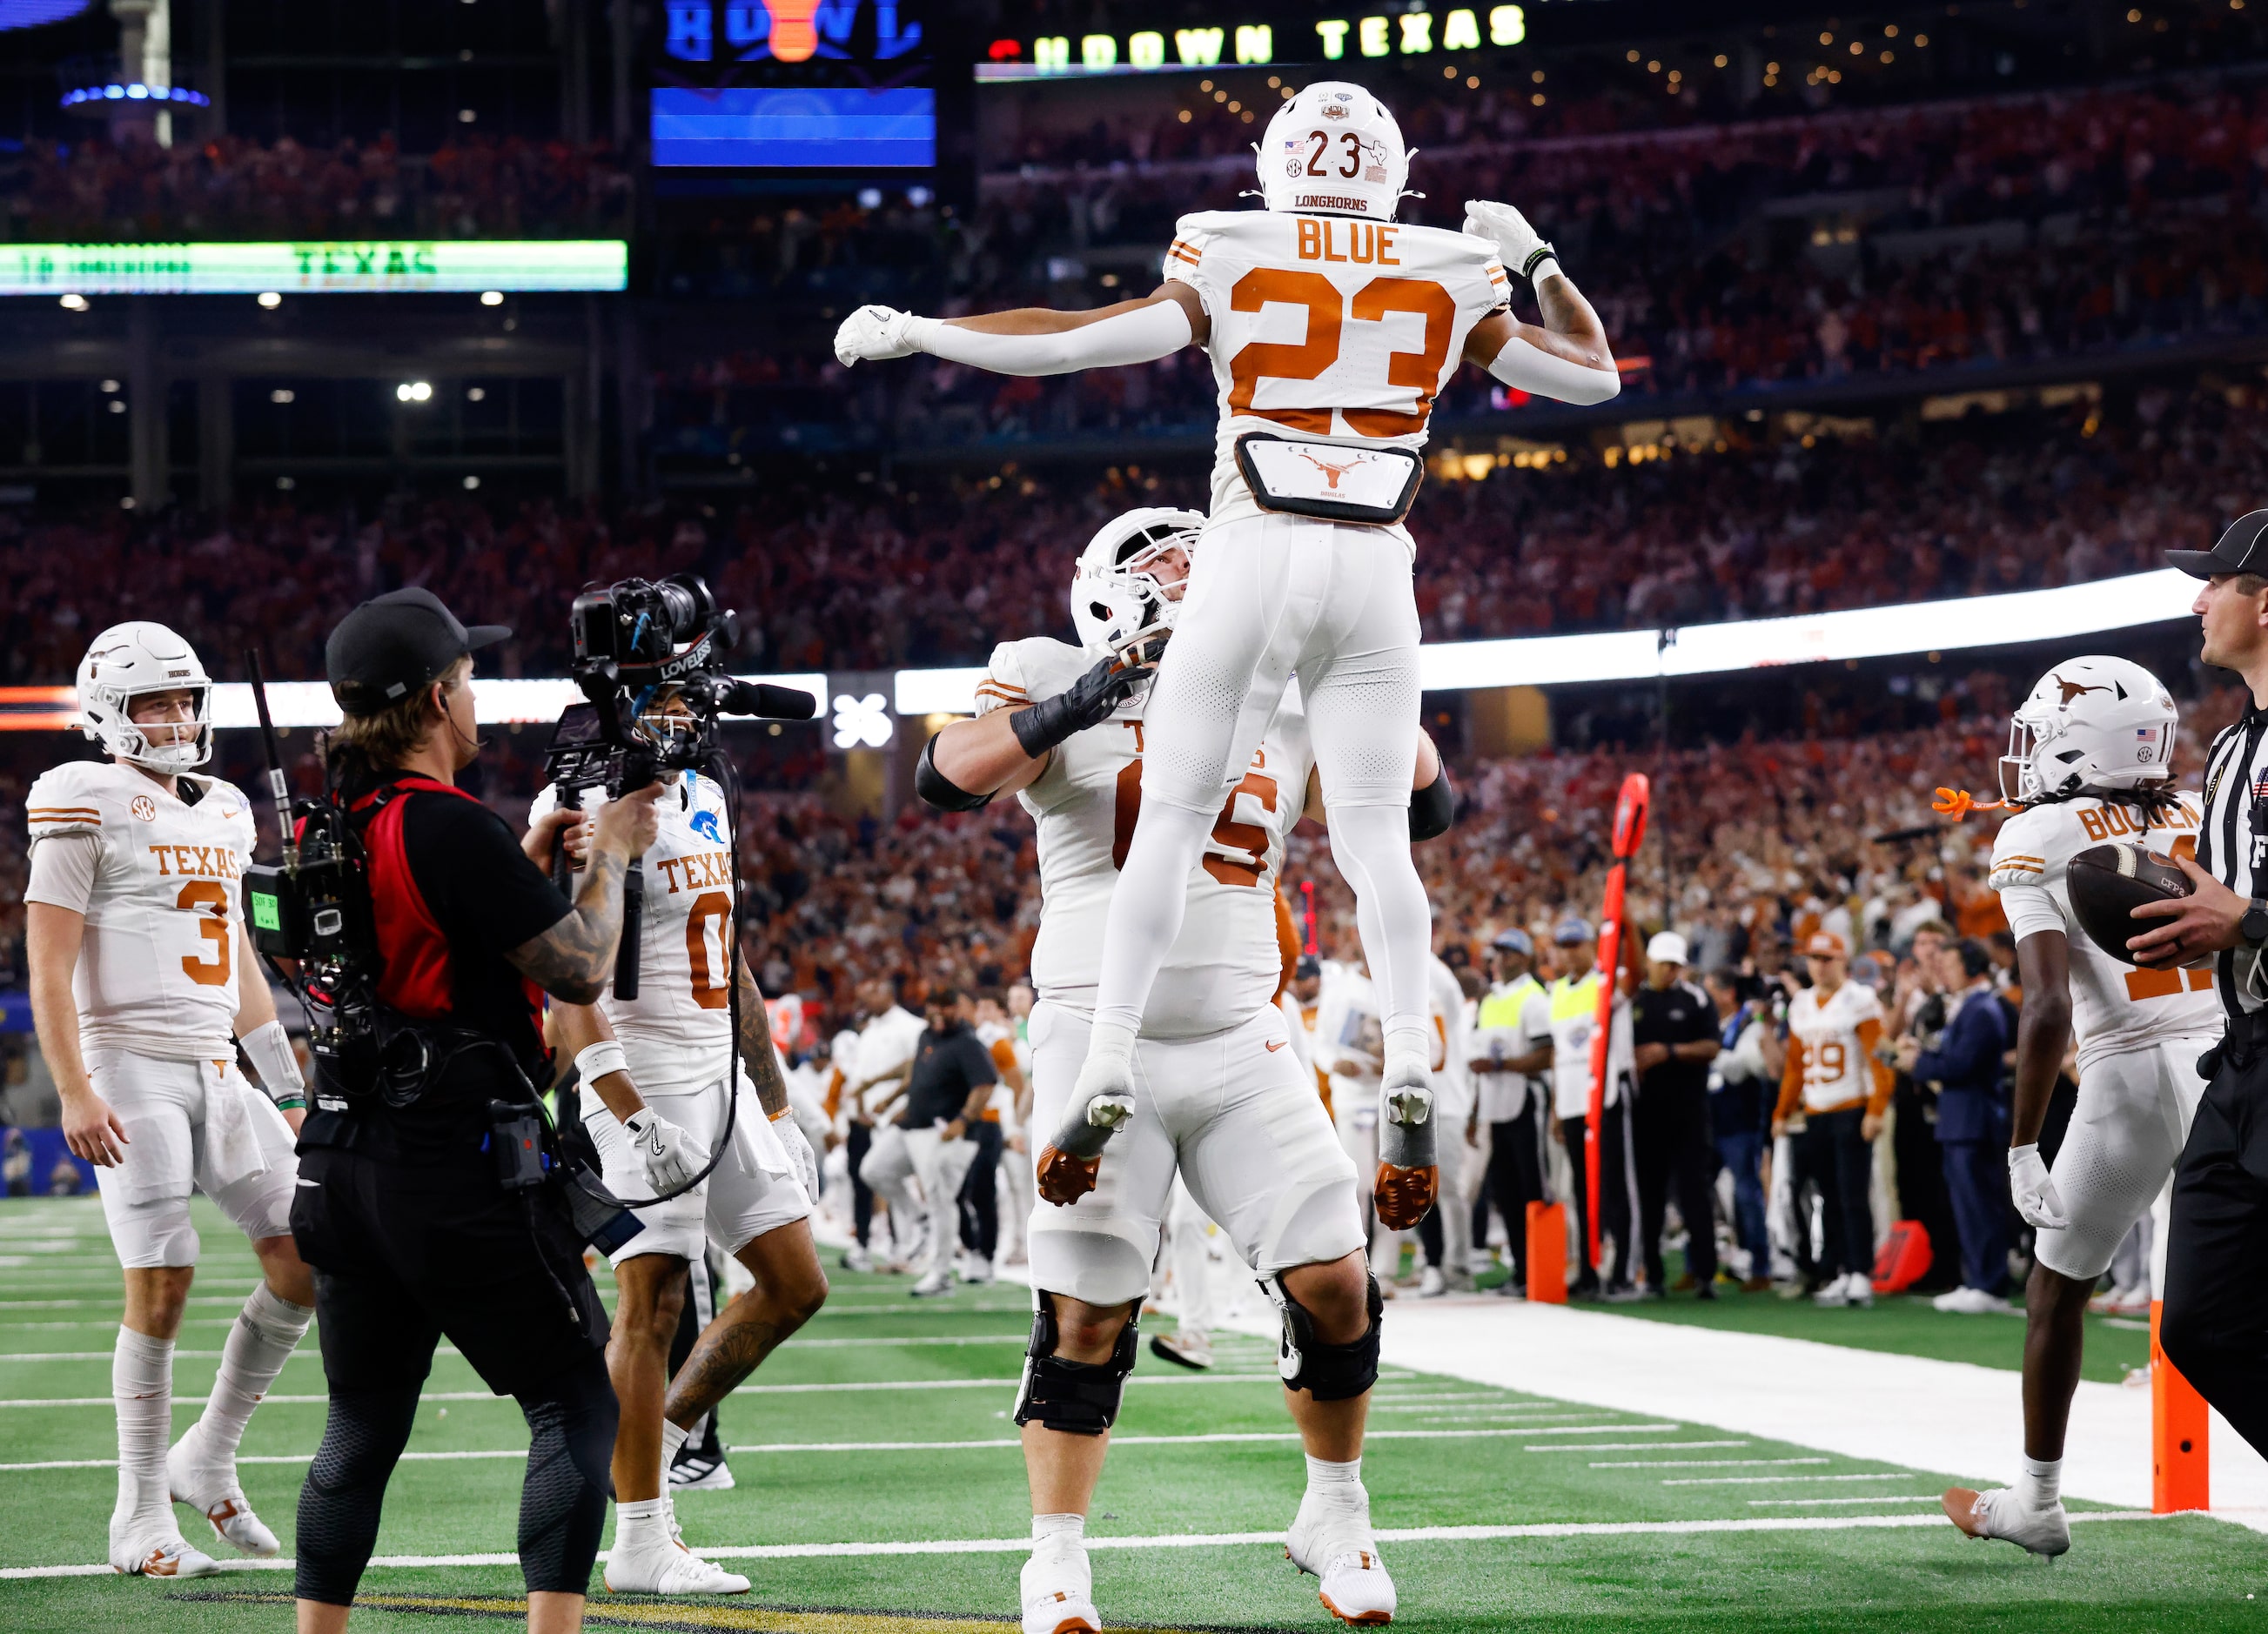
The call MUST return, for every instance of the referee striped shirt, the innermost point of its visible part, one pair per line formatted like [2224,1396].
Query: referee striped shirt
[2231,847]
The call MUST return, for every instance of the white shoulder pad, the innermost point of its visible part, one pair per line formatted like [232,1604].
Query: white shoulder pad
[69,799]
[2025,851]
[220,796]
[1024,671]
[1192,234]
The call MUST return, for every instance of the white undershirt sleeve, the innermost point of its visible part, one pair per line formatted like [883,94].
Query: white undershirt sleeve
[63,871]
[1530,368]
[1139,335]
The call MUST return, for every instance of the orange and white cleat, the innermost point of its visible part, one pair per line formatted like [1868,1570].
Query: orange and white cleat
[218,1497]
[1409,1178]
[1334,1544]
[155,1554]
[1058,1590]
[2044,1531]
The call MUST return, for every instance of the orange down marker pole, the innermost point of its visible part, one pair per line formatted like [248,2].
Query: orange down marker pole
[1630,829]
[2180,1426]
[1546,1254]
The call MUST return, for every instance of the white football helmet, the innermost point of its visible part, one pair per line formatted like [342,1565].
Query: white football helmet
[1116,605]
[134,658]
[1334,148]
[2092,723]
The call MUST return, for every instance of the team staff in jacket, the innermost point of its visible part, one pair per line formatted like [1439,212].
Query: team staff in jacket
[1512,1050]
[1833,1074]
[1972,1122]
[400,1208]
[1674,1030]
[2215,1323]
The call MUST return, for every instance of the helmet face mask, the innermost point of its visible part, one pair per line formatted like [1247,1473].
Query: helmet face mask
[2091,724]
[1117,604]
[132,660]
[1334,148]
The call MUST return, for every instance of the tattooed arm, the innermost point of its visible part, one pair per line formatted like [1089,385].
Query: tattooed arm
[758,1059]
[575,958]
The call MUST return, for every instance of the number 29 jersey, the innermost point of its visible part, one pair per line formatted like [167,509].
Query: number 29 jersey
[1328,328]
[683,1000]
[2116,1007]
[157,970]
[1226,963]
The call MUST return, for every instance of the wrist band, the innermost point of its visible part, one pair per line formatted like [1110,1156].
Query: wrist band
[776,1117]
[269,1051]
[1541,264]
[593,1062]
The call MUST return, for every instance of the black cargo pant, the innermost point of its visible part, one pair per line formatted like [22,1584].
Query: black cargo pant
[2215,1327]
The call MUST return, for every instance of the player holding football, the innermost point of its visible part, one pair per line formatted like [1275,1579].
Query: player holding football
[651,1069]
[2090,761]
[1222,1097]
[144,983]
[1331,329]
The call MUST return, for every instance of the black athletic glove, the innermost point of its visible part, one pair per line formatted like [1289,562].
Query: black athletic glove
[1087,702]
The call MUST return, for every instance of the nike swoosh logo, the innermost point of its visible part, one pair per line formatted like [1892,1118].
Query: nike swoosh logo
[1275,1044]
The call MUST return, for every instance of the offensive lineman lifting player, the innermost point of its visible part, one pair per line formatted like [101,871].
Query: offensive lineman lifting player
[1224,1100]
[1331,330]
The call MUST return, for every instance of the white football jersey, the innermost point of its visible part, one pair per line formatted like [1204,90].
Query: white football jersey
[2114,1007]
[1226,964]
[1329,329]
[157,972]
[1832,1045]
[684,970]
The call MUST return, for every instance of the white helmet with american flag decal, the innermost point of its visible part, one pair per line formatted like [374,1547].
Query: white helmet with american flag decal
[2092,723]
[1334,148]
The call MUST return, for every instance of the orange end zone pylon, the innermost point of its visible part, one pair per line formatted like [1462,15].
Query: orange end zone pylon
[1546,1254]
[2180,1451]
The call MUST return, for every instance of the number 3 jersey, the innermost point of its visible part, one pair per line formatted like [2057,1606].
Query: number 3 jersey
[2116,1007]
[1325,327]
[1227,963]
[157,971]
[683,1000]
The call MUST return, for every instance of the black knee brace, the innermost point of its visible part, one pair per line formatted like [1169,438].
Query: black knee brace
[563,1499]
[1329,1373]
[363,1439]
[1078,1398]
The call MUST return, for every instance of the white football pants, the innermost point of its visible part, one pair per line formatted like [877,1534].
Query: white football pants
[1270,597]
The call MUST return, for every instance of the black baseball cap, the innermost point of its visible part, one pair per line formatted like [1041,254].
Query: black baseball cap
[2243,549]
[393,645]
[1308,967]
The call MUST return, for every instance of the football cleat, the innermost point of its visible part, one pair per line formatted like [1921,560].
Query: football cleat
[699,1472]
[930,1286]
[1059,1591]
[1999,1513]
[1408,1173]
[1189,1347]
[1334,1544]
[1068,1165]
[216,1496]
[156,1554]
[855,1258]
[671,1569]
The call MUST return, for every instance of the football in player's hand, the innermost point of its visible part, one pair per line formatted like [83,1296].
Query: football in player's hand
[2108,882]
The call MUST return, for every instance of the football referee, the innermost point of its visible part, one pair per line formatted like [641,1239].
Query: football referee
[2215,1323]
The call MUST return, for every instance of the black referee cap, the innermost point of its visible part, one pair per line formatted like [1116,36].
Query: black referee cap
[396,645]
[2243,549]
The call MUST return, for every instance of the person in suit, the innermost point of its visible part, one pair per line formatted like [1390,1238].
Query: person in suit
[1963,1068]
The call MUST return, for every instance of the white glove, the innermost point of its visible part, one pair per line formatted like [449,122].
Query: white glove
[878,332]
[2035,1190]
[799,1148]
[1515,240]
[671,1156]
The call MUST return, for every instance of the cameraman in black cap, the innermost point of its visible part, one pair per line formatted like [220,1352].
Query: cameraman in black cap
[403,1208]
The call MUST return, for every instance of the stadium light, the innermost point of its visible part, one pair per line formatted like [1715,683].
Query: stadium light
[270,299]
[414,391]
[74,303]
[492,298]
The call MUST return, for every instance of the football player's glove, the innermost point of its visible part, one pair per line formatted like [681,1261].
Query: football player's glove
[2034,1189]
[1522,247]
[799,1151]
[1087,702]
[671,1156]
[876,332]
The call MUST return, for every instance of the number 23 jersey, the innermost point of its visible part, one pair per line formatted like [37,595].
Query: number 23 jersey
[683,1000]
[157,971]
[1330,327]
[1226,964]
[2114,1007]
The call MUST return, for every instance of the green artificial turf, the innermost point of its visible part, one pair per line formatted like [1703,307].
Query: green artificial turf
[1482,1456]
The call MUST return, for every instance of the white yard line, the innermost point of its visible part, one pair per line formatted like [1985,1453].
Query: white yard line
[1871,1498]
[1699,1463]
[1200,1540]
[1892,1475]
[1631,1446]
[309,1353]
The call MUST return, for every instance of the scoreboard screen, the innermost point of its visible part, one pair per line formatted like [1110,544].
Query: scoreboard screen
[795,84]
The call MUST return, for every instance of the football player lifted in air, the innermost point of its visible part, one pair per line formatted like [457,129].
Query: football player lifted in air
[651,1069]
[1225,1100]
[1331,329]
[2090,760]
[144,983]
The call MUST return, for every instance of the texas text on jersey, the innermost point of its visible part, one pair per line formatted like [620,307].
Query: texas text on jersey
[1226,963]
[157,973]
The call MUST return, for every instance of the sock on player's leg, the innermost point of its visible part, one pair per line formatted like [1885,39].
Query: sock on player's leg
[641,1524]
[672,1439]
[1326,1479]
[1371,845]
[262,1338]
[1145,916]
[1070,1528]
[2042,1481]
[142,1390]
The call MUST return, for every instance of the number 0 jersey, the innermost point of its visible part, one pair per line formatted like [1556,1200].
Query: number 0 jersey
[1226,963]
[157,971]
[1329,329]
[683,1000]
[2114,1007]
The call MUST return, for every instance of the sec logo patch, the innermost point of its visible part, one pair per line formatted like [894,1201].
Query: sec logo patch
[144,807]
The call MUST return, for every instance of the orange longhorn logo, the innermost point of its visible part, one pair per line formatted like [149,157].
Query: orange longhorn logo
[2072,689]
[1331,472]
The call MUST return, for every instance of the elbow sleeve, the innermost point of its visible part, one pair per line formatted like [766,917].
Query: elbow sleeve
[1140,334]
[1530,368]
[1433,807]
[938,790]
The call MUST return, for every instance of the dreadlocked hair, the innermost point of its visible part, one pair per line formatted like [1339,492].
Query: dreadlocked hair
[2152,800]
